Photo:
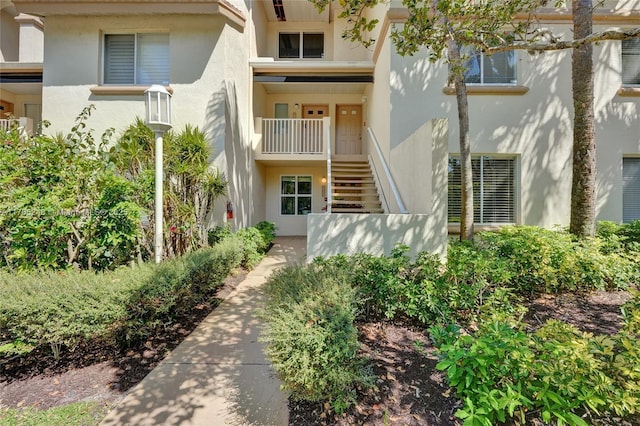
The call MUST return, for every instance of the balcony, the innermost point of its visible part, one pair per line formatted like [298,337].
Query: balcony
[24,125]
[292,139]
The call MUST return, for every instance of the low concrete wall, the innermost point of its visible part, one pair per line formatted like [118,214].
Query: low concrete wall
[330,234]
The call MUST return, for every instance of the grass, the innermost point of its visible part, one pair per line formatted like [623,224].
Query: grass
[76,414]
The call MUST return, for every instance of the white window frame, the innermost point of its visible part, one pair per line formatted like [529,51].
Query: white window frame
[479,198]
[468,54]
[630,56]
[136,53]
[630,189]
[301,34]
[296,195]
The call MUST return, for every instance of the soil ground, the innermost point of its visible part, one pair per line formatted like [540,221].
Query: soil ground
[408,391]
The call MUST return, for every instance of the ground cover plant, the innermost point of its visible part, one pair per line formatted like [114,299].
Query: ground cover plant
[501,368]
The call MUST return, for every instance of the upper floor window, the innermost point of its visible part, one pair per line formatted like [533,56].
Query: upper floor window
[136,59]
[494,190]
[301,45]
[499,68]
[631,61]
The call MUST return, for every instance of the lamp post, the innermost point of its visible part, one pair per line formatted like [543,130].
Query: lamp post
[158,117]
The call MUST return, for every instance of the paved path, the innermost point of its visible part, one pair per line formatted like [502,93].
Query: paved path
[218,375]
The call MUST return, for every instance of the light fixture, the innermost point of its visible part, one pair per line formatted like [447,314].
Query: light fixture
[158,117]
[323,180]
[296,106]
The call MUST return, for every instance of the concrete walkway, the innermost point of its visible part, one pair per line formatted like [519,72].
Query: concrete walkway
[218,375]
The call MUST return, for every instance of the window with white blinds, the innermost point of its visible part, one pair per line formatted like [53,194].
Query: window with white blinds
[499,68]
[631,61]
[494,190]
[136,59]
[630,189]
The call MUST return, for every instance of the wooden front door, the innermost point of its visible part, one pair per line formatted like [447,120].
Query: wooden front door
[349,129]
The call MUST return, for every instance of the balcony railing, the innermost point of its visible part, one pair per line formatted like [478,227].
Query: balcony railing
[292,136]
[24,125]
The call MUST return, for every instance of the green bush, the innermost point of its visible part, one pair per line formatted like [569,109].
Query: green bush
[542,260]
[66,308]
[268,231]
[501,372]
[251,242]
[310,335]
[176,286]
[219,233]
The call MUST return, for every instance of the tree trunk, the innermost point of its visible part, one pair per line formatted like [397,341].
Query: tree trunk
[466,173]
[583,189]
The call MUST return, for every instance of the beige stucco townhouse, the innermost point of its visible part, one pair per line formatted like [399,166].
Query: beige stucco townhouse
[353,147]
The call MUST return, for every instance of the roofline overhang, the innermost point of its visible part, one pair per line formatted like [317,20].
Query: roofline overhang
[21,67]
[269,66]
[46,8]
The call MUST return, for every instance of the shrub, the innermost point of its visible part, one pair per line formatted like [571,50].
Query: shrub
[251,242]
[268,231]
[501,372]
[67,308]
[176,286]
[310,335]
[219,233]
[543,260]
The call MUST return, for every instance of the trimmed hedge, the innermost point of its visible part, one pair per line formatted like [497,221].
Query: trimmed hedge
[66,308]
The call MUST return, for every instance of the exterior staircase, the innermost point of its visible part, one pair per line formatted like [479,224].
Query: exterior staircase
[353,188]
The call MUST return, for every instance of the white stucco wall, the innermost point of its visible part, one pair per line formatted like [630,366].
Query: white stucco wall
[535,127]
[9,36]
[210,78]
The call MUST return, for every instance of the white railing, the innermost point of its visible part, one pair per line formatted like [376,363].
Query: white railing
[292,136]
[24,125]
[387,172]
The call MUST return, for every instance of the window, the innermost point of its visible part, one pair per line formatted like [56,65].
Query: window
[631,61]
[312,45]
[494,190]
[499,68]
[630,189]
[295,195]
[136,59]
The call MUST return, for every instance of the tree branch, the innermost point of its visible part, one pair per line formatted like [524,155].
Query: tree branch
[607,35]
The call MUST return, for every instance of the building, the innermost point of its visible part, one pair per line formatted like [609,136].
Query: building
[353,147]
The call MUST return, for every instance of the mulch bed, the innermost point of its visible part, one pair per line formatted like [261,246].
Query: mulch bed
[409,391]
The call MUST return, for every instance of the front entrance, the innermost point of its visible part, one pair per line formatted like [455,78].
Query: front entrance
[349,130]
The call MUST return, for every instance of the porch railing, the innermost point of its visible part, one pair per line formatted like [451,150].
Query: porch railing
[24,125]
[292,136]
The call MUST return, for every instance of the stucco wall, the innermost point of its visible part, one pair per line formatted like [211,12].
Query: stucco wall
[535,127]
[378,234]
[9,37]
[209,76]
